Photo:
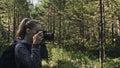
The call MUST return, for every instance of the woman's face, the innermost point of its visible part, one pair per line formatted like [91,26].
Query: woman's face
[33,31]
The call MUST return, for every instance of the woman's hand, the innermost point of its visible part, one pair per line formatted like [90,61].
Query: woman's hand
[37,38]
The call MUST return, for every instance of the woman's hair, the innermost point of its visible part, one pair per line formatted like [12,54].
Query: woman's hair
[24,24]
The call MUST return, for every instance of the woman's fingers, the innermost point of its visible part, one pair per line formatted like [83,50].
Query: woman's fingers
[37,38]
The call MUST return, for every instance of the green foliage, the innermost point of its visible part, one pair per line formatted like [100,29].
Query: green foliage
[75,26]
[59,54]
[62,58]
[112,63]
[3,46]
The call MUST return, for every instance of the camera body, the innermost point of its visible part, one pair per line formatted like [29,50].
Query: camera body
[47,36]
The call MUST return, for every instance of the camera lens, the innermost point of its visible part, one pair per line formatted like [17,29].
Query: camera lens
[49,36]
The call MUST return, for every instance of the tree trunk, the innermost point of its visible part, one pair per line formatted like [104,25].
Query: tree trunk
[14,21]
[8,40]
[118,30]
[100,39]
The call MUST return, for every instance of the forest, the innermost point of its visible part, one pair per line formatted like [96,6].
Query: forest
[87,32]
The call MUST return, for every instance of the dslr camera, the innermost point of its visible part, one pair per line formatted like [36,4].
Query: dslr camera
[47,36]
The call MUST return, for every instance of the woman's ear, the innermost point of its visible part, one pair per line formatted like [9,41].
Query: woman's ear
[28,30]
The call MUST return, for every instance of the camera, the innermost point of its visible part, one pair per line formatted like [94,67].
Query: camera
[47,35]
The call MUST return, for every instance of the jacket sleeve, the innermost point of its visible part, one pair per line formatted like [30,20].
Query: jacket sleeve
[31,60]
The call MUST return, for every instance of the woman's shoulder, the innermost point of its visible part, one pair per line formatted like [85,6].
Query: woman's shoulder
[21,44]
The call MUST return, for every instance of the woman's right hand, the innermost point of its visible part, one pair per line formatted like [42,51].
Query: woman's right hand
[37,38]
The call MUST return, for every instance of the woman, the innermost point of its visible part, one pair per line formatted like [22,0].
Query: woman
[27,51]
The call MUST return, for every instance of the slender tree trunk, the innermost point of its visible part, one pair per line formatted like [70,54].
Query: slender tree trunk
[112,34]
[54,19]
[14,21]
[8,40]
[100,29]
[50,19]
[118,30]
[48,22]
[60,21]
[104,42]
